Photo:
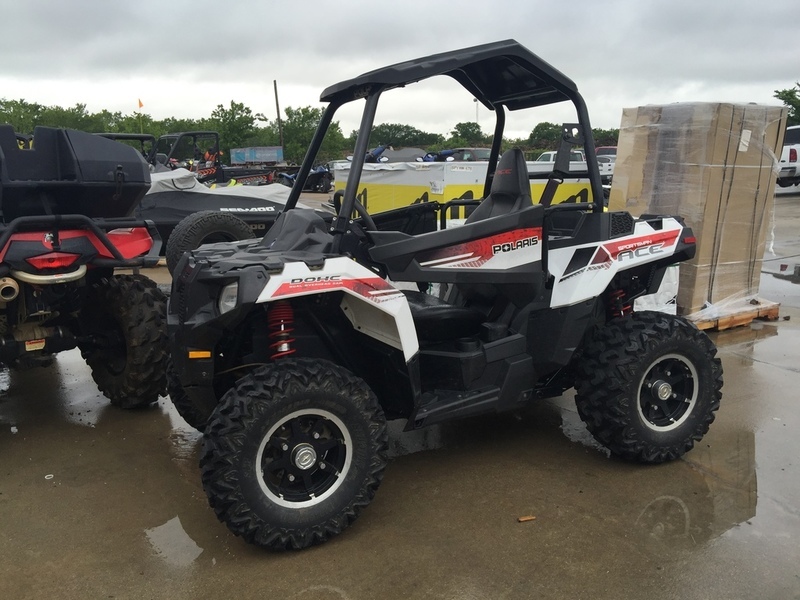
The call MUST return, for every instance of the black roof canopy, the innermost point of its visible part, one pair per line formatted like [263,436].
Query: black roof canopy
[501,73]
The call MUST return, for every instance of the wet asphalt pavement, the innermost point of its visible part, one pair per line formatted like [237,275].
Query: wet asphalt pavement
[97,502]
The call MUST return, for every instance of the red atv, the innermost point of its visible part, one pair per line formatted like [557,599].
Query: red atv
[63,232]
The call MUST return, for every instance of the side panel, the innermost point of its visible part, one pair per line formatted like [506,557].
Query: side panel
[497,250]
[374,306]
[585,271]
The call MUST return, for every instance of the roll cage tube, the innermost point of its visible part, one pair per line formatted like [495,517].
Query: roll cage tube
[311,155]
[598,202]
[359,157]
[497,141]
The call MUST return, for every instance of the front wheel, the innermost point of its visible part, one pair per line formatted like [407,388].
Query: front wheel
[648,385]
[124,339]
[293,453]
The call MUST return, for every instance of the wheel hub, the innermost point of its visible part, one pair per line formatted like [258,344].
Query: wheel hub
[304,456]
[662,390]
[669,392]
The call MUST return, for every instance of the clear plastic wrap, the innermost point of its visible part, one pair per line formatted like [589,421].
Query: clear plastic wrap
[715,165]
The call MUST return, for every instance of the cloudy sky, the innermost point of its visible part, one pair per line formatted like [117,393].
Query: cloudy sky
[182,59]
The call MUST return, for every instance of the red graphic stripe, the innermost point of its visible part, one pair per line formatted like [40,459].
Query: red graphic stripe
[481,249]
[362,287]
[665,237]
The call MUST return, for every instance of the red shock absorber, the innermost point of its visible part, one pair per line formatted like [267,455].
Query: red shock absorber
[280,321]
[618,303]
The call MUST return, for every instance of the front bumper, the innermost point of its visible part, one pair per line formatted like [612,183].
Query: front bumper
[196,328]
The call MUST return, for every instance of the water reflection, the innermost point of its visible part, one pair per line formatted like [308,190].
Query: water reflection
[172,544]
[682,505]
[402,442]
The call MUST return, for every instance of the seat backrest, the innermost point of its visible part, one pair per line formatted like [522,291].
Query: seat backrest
[511,189]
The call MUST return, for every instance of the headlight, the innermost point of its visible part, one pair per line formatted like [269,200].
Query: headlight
[228,297]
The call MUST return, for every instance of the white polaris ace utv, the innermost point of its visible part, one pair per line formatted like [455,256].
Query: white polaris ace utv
[291,352]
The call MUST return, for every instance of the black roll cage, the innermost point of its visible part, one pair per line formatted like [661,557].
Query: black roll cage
[501,75]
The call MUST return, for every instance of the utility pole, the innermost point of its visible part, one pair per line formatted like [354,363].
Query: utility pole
[278,110]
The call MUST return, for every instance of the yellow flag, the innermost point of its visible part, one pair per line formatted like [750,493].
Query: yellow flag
[140,103]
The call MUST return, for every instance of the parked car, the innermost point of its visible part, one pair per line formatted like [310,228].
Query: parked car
[790,167]
[610,151]
[550,156]
[606,164]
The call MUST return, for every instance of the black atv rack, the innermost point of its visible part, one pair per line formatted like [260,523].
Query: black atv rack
[99,227]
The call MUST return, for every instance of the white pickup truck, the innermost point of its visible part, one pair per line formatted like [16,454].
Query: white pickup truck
[577,161]
[789,175]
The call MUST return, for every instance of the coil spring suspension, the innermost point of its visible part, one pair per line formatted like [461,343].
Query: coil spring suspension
[280,321]
[618,305]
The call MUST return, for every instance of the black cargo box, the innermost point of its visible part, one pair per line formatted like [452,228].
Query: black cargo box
[69,172]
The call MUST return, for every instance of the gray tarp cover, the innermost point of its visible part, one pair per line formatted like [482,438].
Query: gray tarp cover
[176,194]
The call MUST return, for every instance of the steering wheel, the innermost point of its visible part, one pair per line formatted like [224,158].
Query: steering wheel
[361,211]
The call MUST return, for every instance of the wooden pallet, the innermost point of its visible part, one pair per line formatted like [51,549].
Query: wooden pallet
[740,317]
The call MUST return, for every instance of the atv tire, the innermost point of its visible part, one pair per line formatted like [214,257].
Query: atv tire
[293,453]
[204,227]
[648,385]
[124,339]
[193,415]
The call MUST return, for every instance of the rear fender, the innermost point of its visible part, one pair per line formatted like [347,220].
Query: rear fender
[585,271]
[371,304]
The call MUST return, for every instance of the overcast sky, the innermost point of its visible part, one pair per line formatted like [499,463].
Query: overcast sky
[182,59]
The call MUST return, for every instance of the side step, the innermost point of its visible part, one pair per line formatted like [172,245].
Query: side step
[445,405]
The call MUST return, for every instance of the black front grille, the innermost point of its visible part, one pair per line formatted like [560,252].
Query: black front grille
[179,293]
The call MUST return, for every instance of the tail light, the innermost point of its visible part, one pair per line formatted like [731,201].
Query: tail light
[52,260]
[792,154]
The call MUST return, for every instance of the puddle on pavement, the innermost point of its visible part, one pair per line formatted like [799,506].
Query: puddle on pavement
[575,430]
[682,505]
[172,544]
[402,442]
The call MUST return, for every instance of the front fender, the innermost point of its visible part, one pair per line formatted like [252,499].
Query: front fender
[374,306]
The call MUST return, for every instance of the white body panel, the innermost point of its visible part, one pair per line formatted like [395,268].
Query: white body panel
[581,281]
[373,305]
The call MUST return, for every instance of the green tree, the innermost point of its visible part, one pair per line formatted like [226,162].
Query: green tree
[21,115]
[545,135]
[605,137]
[791,98]
[235,124]
[467,134]
[400,135]
[298,129]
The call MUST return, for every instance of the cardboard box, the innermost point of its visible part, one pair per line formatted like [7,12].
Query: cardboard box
[715,165]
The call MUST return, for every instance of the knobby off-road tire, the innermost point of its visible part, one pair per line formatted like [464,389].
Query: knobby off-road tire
[204,227]
[648,385]
[125,318]
[193,415]
[293,453]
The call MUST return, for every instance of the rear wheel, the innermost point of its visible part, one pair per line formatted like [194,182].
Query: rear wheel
[648,385]
[124,339]
[204,227]
[293,453]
